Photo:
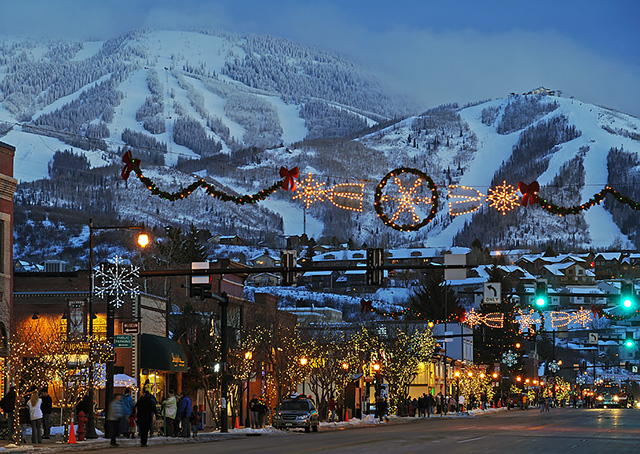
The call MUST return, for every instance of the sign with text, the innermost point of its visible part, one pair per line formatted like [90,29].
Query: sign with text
[492,292]
[593,338]
[122,341]
[130,328]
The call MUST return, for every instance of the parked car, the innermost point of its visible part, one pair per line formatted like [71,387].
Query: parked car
[297,412]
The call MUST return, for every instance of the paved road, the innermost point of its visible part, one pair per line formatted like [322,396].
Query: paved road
[611,431]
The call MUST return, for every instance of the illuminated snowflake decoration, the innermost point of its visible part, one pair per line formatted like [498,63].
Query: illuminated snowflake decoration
[503,198]
[581,379]
[117,281]
[527,319]
[582,317]
[310,191]
[510,358]
[554,366]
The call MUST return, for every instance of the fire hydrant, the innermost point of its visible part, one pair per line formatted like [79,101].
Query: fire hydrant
[82,421]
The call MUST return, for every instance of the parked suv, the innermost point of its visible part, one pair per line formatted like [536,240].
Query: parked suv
[297,411]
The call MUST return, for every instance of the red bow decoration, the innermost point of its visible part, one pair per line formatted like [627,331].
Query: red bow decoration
[529,192]
[460,314]
[365,306]
[129,165]
[289,178]
[597,310]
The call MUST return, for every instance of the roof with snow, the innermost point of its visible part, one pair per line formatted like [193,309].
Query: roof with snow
[397,254]
[483,271]
[608,256]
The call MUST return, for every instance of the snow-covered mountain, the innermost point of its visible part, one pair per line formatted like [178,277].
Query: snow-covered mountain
[233,109]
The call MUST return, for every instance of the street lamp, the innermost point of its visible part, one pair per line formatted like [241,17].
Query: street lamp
[248,356]
[142,240]
[303,362]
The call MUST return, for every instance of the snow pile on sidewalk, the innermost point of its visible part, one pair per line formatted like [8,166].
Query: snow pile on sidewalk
[269,430]
[368,420]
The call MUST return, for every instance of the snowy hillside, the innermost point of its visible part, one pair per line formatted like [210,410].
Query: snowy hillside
[233,109]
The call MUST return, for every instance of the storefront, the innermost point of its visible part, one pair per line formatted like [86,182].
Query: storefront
[162,362]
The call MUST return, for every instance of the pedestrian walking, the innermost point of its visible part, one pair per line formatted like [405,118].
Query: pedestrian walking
[8,404]
[184,413]
[461,403]
[132,426]
[429,405]
[332,409]
[46,407]
[145,408]
[254,405]
[114,415]
[169,410]
[127,408]
[35,415]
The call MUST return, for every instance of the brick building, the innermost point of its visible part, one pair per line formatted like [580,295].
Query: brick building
[60,301]
[7,189]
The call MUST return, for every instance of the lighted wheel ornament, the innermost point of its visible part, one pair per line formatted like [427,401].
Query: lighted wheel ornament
[581,379]
[554,366]
[406,199]
[510,358]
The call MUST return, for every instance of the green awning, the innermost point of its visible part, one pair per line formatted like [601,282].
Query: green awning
[162,354]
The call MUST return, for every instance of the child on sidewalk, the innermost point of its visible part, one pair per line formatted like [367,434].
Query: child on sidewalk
[132,426]
[195,420]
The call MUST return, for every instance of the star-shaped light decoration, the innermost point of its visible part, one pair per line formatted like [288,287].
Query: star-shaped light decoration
[510,358]
[581,379]
[406,200]
[310,191]
[527,319]
[503,198]
[117,280]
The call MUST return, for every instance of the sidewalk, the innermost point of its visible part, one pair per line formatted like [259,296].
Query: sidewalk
[55,443]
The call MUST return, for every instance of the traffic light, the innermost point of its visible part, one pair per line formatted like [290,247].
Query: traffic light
[375,258]
[540,295]
[200,286]
[288,260]
[629,342]
[627,295]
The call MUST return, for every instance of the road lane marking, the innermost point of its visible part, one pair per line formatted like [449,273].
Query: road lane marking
[471,439]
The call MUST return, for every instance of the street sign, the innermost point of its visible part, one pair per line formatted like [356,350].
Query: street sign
[492,292]
[593,338]
[130,328]
[634,369]
[122,341]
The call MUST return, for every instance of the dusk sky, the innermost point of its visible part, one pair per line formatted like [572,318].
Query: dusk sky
[434,51]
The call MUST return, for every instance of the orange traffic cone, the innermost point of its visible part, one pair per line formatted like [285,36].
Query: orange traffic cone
[72,435]
[346,416]
[237,423]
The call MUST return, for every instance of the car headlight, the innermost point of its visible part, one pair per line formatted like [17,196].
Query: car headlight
[600,398]
[616,398]
[638,404]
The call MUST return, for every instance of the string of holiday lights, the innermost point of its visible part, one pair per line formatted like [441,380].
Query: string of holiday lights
[398,198]
[594,200]
[133,165]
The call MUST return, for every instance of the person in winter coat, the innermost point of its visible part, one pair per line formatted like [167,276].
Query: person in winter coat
[127,408]
[169,410]
[184,413]
[46,407]
[114,415]
[145,409]
[8,405]
[35,415]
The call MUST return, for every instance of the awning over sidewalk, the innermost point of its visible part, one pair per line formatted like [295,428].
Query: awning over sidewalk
[161,354]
